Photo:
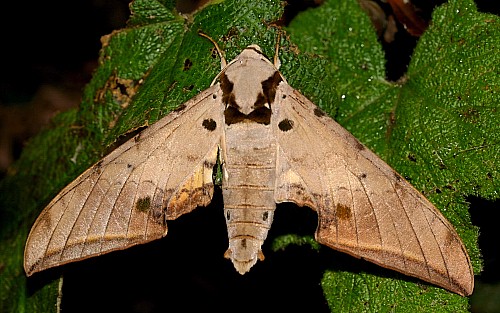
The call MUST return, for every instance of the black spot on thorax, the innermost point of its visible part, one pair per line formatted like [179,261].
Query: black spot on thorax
[261,113]
[227,87]
[269,87]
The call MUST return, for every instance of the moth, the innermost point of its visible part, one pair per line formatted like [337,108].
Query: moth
[274,146]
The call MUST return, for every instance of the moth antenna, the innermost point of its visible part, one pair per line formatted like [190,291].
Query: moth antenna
[277,62]
[223,62]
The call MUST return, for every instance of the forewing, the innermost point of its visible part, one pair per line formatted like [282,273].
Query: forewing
[364,207]
[126,198]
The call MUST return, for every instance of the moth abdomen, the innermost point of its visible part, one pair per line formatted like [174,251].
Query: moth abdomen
[247,227]
[248,190]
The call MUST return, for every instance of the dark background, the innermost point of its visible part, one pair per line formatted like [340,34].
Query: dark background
[49,51]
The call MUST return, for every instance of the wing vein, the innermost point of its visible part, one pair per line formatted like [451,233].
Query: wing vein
[135,195]
[79,212]
[412,228]
[372,207]
[58,221]
[437,244]
[353,211]
[112,209]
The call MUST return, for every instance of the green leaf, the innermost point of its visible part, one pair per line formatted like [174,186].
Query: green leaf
[437,127]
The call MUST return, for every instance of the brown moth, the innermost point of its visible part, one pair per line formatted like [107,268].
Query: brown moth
[274,146]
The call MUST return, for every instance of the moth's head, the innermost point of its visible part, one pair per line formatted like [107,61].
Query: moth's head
[249,85]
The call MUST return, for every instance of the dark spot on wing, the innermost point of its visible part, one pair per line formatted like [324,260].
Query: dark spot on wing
[360,146]
[318,112]
[98,168]
[143,204]
[362,176]
[450,239]
[187,65]
[398,177]
[209,124]
[209,165]
[180,108]
[285,125]
[46,221]
[187,198]
[342,211]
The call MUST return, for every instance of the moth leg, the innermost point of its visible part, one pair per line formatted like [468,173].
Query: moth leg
[223,62]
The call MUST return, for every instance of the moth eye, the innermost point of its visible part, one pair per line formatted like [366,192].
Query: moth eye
[228,215]
[265,216]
